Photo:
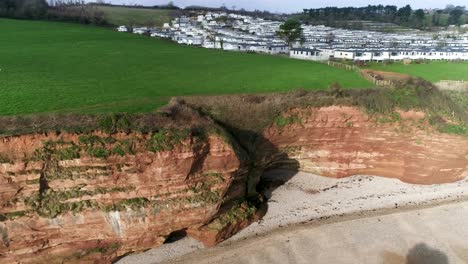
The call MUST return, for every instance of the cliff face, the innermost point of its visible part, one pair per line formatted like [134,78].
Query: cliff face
[94,197]
[343,141]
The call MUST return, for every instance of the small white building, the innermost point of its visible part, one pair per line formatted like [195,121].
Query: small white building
[140,30]
[344,54]
[363,56]
[277,49]
[307,54]
[122,29]
[380,56]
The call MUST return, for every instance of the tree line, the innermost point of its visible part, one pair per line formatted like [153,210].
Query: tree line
[239,11]
[404,16]
[32,9]
[89,13]
[58,10]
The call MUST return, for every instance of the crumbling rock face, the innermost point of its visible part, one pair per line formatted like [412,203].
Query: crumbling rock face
[344,141]
[91,198]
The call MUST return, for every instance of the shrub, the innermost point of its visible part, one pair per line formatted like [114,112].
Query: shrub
[118,150]
[72,152]
[4,159]
[165,140]
[336,89]
[98,152]
[133,203]
[282,121]
[90,140]
[115,123]
[239,211]
[12,215]
[300,92]
[455,129]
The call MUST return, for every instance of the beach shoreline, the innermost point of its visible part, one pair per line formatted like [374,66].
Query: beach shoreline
[306,201]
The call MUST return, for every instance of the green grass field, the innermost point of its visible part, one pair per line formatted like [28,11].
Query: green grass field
[433,71]
[135,16]
[60,67]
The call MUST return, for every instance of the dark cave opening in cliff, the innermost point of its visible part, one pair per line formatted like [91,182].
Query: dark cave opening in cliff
[176,236]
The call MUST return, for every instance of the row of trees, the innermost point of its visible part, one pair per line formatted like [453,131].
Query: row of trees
[404,16]
[61,10]
[256,13]
[168,6]
[89,13]
[32,9]
[79,13]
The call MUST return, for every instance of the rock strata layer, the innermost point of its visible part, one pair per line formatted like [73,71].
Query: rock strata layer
[91,198]
[343,141]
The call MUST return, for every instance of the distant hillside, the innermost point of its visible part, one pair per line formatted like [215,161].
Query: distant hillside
[117,15]
[97,14]
[405,16]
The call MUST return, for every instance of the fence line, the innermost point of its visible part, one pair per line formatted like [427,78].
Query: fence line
[460,85]
[343,66]
[377,82]
[367,76]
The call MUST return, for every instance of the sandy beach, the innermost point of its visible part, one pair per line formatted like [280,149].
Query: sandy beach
[435,235]
[323,220]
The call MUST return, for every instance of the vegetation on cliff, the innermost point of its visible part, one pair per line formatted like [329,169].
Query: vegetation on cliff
[265,109]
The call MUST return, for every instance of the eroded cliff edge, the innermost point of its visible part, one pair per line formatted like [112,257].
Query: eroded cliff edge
[340,141]
[92,196]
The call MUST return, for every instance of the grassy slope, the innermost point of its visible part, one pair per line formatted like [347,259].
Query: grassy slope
[61,67]
[137,16]
[433,71]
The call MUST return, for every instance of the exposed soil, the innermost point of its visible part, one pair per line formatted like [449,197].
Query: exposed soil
[391,76]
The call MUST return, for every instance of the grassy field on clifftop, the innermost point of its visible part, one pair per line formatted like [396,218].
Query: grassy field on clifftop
[432,71]
[60,67]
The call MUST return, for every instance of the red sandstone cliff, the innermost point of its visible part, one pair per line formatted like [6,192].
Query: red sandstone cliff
[88,208]
[91,198]
[343,141]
